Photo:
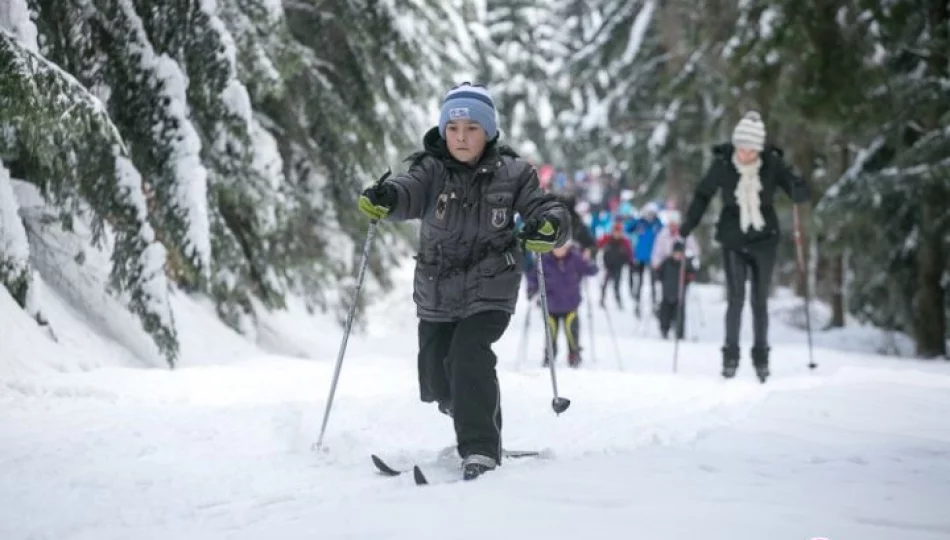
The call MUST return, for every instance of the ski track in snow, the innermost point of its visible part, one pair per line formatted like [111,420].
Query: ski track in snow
[855,450]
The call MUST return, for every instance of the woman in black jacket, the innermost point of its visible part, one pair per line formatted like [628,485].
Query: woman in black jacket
[748,172]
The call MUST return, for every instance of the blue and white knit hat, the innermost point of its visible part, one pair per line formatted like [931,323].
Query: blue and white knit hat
[469,102]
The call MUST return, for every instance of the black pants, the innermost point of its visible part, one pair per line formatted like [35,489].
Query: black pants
[668,314]
[612,275]
[457,365]
[639,268]
[754,263]
[571,330]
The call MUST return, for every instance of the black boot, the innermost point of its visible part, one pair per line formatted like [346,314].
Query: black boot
[730,361]
[476,465]
[760,359]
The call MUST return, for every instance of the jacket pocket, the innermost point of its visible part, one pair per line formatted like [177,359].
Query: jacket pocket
[499,277]
[425,289]
[445,210]
[498,210]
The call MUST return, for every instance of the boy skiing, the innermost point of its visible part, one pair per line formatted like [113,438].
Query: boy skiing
[564,270]
[618,254]
[645,229]
[668,274]
[466,188]
[669,235]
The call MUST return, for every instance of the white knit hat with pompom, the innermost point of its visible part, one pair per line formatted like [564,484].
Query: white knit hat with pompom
[749,132]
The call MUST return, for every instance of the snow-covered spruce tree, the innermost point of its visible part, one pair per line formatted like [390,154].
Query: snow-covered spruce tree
[616,66]
[59,137]
[522,61]
[901,176]
[145,93]
[349,94]
[245,173]
[693,99]
[15,271]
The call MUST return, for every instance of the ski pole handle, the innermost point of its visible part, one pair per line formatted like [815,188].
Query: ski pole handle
[379,182]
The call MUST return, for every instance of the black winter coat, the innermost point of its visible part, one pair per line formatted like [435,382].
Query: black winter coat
[722,176]
[669,276]
[469,259]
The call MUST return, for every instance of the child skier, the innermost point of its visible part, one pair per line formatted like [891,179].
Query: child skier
[564,269]
[618,254]
[465,188]
[645,229]
[669,277]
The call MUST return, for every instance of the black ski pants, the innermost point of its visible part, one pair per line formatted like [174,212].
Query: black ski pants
[668,315]
[612,275]
[639,268]
[754,263]
[457,366]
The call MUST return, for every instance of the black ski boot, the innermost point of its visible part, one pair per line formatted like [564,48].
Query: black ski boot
[760,359]
[476,465]
[730,361]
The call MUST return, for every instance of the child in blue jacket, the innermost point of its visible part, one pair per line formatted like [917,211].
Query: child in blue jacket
[645,230]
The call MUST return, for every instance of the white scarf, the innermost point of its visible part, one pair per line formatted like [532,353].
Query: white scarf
[747,195]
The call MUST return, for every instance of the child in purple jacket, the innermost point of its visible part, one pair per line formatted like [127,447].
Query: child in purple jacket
[564,268]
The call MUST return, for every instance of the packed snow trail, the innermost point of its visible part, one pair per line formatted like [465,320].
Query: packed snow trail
[856,449]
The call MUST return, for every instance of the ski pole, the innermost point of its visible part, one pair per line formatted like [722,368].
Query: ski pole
[367,244]
[613,337]
[801,268]
[590,320]
[679,313]
[559,404]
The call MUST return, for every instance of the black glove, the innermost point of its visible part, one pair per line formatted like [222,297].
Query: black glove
[377,201]
[540,234]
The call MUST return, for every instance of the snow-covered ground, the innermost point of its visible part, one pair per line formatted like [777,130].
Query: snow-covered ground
[858,449]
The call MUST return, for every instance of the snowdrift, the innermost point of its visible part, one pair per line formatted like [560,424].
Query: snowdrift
[90,328]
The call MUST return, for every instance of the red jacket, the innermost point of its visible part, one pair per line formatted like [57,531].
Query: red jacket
[618,252]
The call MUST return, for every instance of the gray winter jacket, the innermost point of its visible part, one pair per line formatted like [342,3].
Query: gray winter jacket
[469,259]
